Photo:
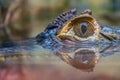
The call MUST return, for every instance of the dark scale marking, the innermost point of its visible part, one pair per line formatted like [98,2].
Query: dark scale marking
[107,37]
[7,44]
[51,26]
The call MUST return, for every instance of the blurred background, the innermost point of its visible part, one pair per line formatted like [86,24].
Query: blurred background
[26,18]
[22,19]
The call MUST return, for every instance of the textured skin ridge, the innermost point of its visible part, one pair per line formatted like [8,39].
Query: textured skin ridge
[61,20]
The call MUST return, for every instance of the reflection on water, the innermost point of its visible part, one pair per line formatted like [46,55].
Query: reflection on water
[50,67]
[84,59]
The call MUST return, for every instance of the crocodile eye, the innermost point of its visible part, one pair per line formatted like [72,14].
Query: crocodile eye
[83,29]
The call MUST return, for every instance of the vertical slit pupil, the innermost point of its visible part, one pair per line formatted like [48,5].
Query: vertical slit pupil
[84,27]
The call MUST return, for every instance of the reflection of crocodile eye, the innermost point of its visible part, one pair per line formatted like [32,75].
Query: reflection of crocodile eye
[83,29]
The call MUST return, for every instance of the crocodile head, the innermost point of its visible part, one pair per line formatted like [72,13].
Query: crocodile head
[75,34]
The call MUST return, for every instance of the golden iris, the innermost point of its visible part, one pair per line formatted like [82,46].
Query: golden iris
[83,29]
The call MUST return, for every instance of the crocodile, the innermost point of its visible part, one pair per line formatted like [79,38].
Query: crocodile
[77,39]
